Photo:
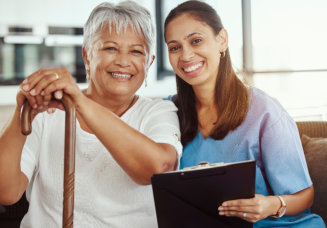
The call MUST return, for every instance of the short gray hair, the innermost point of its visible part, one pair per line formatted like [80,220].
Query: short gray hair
[122,15]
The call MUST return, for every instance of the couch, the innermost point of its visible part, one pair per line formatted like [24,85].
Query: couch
[314,140]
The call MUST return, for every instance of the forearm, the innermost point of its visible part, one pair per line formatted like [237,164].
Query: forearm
[11,144]
[300,201]
[296,203]
[138,155]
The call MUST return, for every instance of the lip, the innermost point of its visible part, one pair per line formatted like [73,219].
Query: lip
[194,72]
[122,77]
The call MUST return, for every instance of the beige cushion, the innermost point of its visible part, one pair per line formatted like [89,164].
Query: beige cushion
[315,150]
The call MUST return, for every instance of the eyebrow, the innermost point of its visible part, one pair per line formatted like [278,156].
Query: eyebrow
[138,45]
[133,45]
[186,37]
[110,42]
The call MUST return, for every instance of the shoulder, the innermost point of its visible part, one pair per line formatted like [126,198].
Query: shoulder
[155,104]
[266,114]
[263,106]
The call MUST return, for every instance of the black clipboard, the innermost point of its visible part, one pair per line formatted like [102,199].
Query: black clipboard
[190,198]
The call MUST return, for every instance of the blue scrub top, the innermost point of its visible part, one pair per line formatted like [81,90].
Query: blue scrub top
[269,136]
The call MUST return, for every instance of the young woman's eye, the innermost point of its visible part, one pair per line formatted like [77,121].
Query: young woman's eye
[174,48]
[196,41]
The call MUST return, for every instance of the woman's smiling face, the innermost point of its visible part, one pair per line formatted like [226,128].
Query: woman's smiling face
[118,62]
[194,49]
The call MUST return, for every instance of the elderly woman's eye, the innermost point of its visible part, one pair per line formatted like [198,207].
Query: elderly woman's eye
[137,52]
[110,48]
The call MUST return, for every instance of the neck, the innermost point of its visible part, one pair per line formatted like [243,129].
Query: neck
[204,95]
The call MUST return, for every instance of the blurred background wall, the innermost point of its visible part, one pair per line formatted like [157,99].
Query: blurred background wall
[279,46]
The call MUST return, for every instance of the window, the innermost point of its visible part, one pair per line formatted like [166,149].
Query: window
[290,52]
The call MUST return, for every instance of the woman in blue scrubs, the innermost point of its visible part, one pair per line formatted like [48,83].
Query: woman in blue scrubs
[223,120]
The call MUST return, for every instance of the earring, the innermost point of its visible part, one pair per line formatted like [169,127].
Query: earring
[222,54]
[87,69]
[145,82]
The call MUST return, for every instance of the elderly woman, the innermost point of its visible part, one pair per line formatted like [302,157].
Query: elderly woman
[122,139]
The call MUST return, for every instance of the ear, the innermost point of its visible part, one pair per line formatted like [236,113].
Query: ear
[85,58]
[222,39]
[153,58]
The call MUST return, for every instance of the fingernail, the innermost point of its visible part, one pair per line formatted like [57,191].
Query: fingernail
[42,93]
[220,208]
[35,106]
[33,92]
[41,106]
[221,213]
[58,94]
[224,204]
[25,87]
[25,81]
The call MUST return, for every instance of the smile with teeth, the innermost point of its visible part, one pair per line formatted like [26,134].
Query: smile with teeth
[192,68]
[118,75]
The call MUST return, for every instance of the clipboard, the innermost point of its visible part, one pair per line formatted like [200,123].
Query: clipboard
[190,197]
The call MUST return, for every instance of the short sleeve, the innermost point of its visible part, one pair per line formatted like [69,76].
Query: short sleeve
[31,148]
[283,157]
[162,124]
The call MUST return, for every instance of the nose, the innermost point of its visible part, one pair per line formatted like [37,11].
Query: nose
[122,60]
[187,54]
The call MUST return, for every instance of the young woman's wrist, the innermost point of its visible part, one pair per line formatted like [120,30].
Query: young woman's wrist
[275,205]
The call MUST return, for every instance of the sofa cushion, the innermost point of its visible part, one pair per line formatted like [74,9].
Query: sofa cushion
[315,150]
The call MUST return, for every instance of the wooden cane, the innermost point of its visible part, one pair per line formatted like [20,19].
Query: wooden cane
[69,159]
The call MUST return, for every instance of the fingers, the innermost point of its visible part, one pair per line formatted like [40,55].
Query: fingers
[43,76]
[44,82]
[36,82]
[251,210]
[241,202]
[248,216]
[22,95]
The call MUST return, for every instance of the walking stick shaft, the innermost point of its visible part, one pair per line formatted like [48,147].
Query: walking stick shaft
[69,154]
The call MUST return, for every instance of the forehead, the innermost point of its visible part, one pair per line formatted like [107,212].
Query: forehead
[123,36]
[184,25]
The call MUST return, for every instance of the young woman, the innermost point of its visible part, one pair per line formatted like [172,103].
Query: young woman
[224,121]
[122,139]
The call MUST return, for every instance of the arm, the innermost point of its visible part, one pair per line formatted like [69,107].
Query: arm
[13,182]
[283,162]
[138,155]
[261,206]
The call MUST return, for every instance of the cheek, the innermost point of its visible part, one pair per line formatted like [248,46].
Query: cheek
[173,61]
[141,64]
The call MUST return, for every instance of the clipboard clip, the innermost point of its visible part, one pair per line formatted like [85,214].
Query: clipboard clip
[203,165]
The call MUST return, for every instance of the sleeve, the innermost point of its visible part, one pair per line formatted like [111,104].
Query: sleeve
[30,151]
[162,125]
[283,157]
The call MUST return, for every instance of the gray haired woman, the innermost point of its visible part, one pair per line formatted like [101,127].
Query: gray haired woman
[122,138]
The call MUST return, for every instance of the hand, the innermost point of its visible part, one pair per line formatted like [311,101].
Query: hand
[251,210]
[38,103]
[51,83]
